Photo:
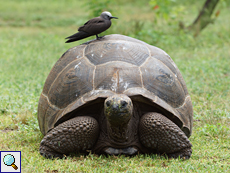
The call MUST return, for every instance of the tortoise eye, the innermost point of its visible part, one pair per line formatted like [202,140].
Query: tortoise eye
[108,103]
[123,103]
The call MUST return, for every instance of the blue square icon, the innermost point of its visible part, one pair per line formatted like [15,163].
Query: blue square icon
[10,161]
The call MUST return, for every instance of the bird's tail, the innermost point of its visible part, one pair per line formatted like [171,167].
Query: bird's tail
[78,36]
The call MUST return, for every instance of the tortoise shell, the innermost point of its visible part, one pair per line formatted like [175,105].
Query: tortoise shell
[116,64]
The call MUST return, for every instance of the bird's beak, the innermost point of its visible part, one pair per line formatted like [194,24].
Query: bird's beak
[113,18]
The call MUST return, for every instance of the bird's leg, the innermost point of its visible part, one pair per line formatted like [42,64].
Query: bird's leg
[75,135]
[99,38]
[159,133]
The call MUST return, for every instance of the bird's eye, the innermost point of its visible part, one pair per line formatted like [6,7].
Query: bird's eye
[108,103]
[123,103]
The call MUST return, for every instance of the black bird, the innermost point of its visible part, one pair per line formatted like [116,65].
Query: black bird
[94,26]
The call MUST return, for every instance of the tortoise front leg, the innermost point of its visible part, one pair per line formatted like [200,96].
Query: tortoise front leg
[159,133]
[77,134]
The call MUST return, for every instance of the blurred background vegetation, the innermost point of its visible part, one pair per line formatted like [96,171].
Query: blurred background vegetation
[32,40]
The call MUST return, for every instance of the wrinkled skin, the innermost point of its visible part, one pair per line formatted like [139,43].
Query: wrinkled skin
[127,131]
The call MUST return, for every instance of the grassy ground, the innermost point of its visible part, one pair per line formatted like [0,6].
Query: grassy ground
[32,40]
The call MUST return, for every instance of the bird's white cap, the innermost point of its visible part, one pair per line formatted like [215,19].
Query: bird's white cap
[107,13]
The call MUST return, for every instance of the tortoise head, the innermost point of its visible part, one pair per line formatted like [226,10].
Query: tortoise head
[118,109]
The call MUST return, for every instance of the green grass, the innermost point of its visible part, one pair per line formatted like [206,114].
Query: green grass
[32,40]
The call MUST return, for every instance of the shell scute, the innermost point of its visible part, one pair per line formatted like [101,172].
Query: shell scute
[117,51]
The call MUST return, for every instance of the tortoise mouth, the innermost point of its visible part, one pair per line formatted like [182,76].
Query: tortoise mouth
[118,118]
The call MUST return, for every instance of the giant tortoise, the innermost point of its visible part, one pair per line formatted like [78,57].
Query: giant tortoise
[117,95]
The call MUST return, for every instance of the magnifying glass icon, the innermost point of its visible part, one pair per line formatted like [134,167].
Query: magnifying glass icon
[9,160]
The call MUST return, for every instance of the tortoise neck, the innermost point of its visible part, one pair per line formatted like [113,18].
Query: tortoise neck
[118,133]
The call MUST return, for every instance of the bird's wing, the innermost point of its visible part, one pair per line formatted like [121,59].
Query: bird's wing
[95,20]
[93,25]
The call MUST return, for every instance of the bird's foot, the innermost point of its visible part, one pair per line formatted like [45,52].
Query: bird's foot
[100,38]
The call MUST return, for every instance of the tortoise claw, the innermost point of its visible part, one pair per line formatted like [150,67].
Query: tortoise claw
[49,153]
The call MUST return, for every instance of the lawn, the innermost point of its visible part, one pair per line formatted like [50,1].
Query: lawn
[32,40]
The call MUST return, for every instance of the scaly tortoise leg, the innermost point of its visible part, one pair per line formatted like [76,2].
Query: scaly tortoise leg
[161,134]
[77,134]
